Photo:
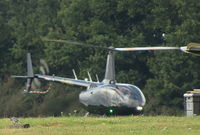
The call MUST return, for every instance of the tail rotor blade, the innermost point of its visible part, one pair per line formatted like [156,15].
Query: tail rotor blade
[42,70]
[36,83]
[33,86]
[44,65]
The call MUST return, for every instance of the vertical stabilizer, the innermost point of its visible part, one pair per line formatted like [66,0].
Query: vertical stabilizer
[30,74]
[110,69]
[29,66]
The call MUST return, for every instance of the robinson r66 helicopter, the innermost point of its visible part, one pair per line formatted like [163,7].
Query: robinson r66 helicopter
[107,97]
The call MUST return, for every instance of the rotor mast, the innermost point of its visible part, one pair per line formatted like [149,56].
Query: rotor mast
[110,69]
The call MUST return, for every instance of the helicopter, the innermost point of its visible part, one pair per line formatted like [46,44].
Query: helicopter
[108,96]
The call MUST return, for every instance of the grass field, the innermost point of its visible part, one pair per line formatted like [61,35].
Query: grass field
[133,125]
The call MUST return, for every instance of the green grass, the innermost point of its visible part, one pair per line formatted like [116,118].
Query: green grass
[133,125]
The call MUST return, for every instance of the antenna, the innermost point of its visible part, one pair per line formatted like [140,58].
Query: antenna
[74,74]
[89,76]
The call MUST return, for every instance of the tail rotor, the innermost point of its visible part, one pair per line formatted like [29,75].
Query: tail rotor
[32,80]
[44,69]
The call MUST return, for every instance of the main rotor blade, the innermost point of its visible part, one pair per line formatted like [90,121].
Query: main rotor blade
[145,48]
[193,48]
[75,43]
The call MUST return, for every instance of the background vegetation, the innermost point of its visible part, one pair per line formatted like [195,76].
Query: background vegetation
[163,76]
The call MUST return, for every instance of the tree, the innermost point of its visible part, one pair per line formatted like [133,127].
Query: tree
[176,72]
[5,40]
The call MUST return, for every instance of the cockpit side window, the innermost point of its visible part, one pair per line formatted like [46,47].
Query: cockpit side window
[125,90]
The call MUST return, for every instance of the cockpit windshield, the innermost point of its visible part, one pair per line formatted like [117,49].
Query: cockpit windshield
[133,92]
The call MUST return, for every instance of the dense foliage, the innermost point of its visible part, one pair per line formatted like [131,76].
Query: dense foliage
[163,75]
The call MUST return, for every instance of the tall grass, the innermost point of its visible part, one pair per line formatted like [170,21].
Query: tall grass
[137,125]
